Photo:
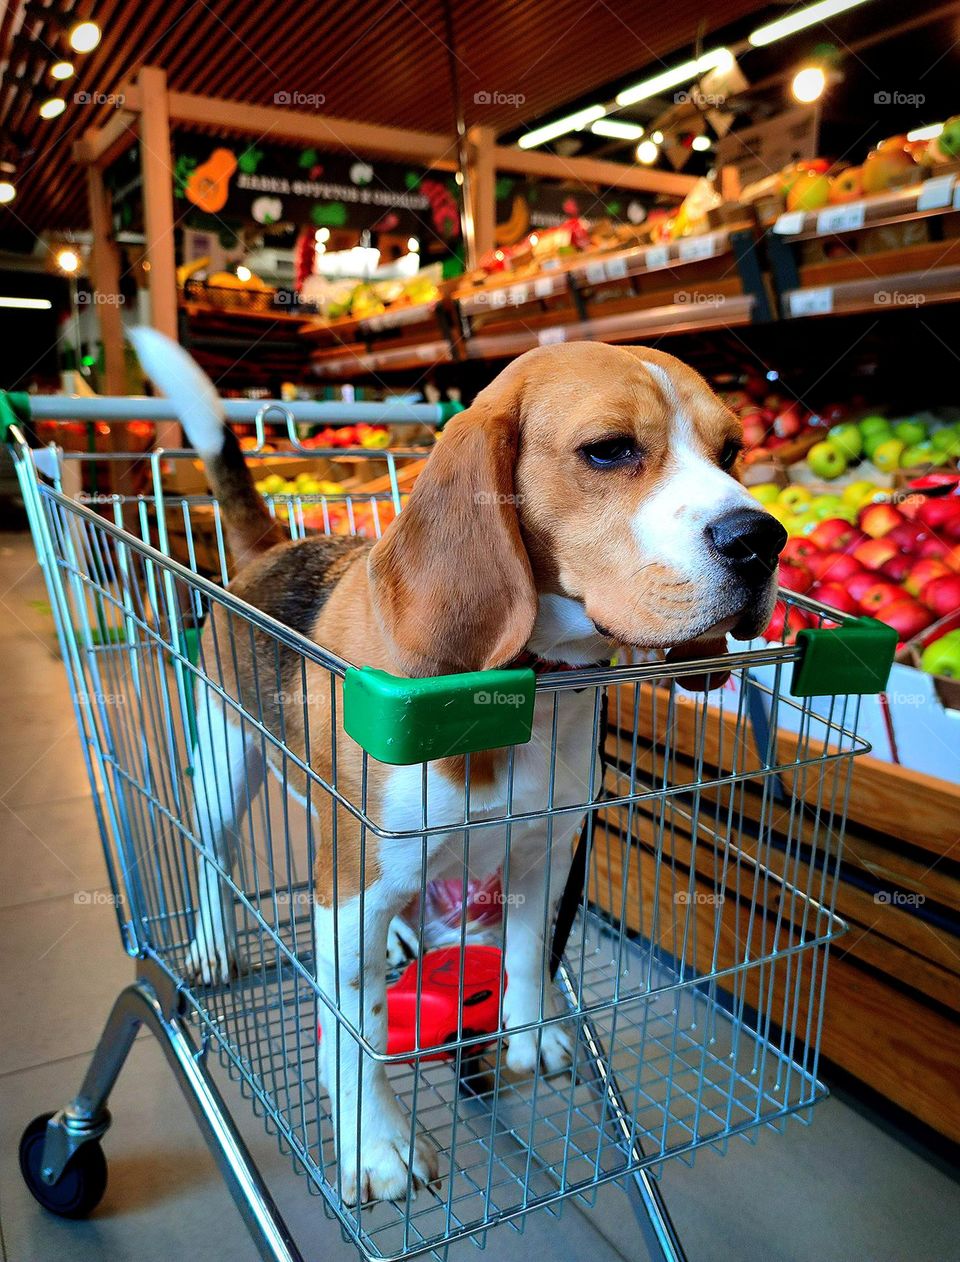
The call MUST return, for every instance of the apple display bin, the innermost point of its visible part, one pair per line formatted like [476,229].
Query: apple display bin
[691,964]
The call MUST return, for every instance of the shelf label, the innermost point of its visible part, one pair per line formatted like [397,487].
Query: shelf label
[804,302]
[936,193]
[550,337]
[692,248]
[616,269]
[841,218]
[789,223]
[658,255]
[543,287]
[596,273]
[518,295]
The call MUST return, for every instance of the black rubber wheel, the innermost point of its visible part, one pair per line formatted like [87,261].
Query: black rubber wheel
[79,1189]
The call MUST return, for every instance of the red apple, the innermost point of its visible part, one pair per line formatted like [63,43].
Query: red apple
[952,558]
[834,534]
[907,536]
[942,594]
[910,504]
[951,528]
[794,577]
[936,512]
[835,595]
[877,520]
[796,620]
[798,550]
[838,567]
[923,572]
[880,595]
[931,546]
[789,422]
[907,616]
[874,553]
[859,584]
[897,568]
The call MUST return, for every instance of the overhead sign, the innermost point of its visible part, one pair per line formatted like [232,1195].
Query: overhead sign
[766,148]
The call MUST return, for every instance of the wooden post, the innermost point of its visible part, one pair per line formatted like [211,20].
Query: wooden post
[483,184]
[156,163]
[105,275]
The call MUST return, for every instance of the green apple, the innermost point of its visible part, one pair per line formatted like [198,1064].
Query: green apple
[873,425]
[825,506]
[947,440]
[886,455]
[911,432]
[826,461]
[857,493]
[918,454]
[849,440]
[765,492]
[794,498]
[949,138]
[873,441]
[942,657]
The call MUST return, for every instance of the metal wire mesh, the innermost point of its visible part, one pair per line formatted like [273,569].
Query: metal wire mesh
[690,992]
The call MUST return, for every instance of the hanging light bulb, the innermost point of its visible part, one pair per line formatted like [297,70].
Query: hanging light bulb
[647,152]
[53,107]
[68,261]
[243,273]
[61,70]
[808,84]
[7,192]
[701,143]
[84,37]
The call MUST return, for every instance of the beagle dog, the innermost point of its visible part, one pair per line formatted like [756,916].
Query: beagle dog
[589,498]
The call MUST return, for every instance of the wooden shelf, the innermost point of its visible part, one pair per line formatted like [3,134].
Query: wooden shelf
[933,197]
[882,293]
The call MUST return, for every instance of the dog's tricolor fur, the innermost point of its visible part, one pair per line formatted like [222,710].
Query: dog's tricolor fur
[514,540]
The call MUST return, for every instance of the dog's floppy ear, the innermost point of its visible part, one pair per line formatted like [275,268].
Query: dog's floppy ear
[451,580]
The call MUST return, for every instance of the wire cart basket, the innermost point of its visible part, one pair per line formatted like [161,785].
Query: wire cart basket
[690,948]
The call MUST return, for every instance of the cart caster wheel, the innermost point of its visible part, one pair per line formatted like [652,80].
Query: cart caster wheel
[79,1189]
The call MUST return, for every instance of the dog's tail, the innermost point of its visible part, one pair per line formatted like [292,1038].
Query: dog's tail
[249,526]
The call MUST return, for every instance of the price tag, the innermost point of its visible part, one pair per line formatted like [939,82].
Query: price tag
[789,224]
[841,218]
[543,287]
[375,324]
[596,273]
[518,295]
[697,248]
[550,337]
[658,255]
[616,269]
[498,297]
[550,265]
[805,302]
[936,193]
[427,352]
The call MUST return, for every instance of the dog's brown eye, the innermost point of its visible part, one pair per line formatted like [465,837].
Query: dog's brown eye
[728,456]
[611,453]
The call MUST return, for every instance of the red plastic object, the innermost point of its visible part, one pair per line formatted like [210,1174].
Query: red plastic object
[440,1000]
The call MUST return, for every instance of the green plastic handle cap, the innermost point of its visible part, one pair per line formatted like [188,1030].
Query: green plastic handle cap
[850,660]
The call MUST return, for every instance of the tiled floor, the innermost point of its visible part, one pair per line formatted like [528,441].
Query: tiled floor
[842,1189]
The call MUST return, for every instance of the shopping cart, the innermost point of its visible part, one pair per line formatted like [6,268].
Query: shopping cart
[691,944]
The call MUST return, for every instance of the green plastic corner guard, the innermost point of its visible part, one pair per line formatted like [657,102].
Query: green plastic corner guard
[14,410]
[852,659]
[448,410]
[404,721]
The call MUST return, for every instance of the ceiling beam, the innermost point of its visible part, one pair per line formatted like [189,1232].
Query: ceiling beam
[592,171]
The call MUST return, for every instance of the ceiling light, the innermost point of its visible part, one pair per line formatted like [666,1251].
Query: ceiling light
[68,261]
[413,245]
[701,143]
[61,70]
[926,133]
[321,235]
[657,137]
[53,107]
[27,304]
[617,129]
[84,37]
[808,84]
[7,192]
[243,273]
[800,20]
[550,131]
[717,59]
[647,152]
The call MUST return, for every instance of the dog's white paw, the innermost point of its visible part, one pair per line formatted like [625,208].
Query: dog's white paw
[384,1172]
[551,1047]
[211,963]
[402,943]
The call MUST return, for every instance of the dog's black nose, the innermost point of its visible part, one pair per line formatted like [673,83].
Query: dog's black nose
[749,540]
